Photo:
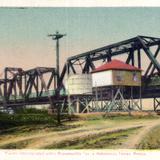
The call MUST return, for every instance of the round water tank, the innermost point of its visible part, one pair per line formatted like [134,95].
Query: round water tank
[79,84]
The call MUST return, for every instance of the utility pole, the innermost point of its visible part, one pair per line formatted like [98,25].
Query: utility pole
[56,37]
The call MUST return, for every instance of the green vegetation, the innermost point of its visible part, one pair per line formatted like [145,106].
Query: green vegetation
[29,117]
[31,120]
[115,116]
[99,141]
[7,121]
[31,111]
[151,140]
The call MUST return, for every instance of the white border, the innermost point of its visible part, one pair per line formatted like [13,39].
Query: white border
[79,3]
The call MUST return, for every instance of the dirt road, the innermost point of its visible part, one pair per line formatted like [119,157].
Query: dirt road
[44,139]
[133,140]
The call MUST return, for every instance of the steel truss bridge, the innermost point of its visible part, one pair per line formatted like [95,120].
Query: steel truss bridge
[19,87]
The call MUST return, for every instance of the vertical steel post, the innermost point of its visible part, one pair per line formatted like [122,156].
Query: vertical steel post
[77,105]
[37,81]
[68,97]
[139,58]
[57,60]
[132,98]
[96,98]
[101,98]
[5,87]
[141,99]
[132,58]
[154,103]
[25,85]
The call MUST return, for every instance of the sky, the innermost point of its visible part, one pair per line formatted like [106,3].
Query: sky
[23,32]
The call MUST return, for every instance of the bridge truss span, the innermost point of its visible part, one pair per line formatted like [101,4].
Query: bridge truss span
[44,85]
[19,86]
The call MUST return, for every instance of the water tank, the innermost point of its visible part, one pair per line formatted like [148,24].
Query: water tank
[79,84]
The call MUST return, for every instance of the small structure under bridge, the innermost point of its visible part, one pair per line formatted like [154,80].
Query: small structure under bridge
[19,87]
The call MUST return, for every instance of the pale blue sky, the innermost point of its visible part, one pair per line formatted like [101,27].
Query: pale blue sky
[23,32]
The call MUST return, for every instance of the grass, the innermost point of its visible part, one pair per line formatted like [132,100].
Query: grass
[31,121]
[17,145]
[30,116]
[32,129]
[100,141]
[31,111]
[115,116]
[8,121]
[117,119]
[151,140]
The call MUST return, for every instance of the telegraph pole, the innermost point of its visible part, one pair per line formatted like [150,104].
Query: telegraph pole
[56,37]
